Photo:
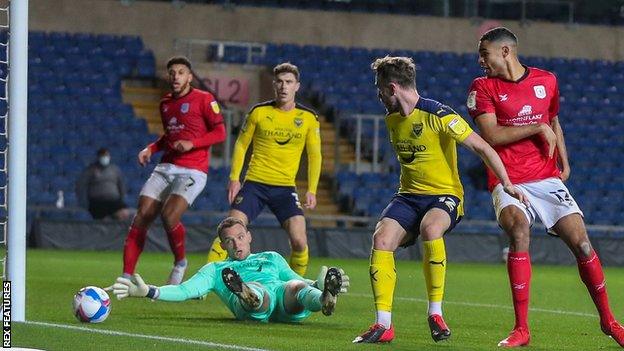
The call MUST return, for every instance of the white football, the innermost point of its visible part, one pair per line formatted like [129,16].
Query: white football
[91,305]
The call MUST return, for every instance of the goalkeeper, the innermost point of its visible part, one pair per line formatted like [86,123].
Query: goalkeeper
[259,287]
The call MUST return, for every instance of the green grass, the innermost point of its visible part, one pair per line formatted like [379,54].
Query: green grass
[477,309]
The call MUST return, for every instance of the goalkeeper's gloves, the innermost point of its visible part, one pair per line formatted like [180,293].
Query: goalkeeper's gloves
[320,280]
[136,287]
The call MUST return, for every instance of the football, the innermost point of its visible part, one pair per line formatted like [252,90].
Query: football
[91,305]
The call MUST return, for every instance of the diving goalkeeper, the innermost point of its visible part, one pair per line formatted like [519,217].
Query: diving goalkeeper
[259,287]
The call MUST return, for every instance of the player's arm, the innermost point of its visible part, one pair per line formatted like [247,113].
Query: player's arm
[145,154]
[489,156]
[496,134]
[315,160]
[245,137]
[561,149]
[198,285]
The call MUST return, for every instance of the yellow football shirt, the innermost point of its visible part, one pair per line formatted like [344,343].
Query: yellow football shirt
[425,143]
[278,140]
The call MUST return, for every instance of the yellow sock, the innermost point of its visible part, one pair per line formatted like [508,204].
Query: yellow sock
[434,268]
[383,278]
[299,261]
[216,253]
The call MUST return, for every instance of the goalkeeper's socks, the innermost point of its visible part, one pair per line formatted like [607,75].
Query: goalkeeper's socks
[216,253]
[592,275]
[176,241]
[135,241]
[299,261]
[519,269]
[181,263]
[310,298]
[383,280]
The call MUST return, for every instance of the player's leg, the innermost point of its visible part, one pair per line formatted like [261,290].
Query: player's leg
[295,227]
[434,224]
[171,216]
[389,234]
[147,212]
[253,300]
[516,220]
[571,229]
[186,186]
[299,297]
[285,205]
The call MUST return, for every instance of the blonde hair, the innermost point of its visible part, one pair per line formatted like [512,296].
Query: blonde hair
[286,67]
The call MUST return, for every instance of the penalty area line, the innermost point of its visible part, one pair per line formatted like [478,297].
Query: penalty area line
[144,336]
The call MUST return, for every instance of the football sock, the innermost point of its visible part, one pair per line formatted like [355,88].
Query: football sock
[299,261]
[434,269]
[592,275]
[176,241]
[133,246]
[519,269]
[310,298]
[383,280]
[216,253]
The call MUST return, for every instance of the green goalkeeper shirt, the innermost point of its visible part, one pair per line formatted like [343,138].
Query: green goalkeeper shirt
[267,268]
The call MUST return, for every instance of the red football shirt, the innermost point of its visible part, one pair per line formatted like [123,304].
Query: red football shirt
[195,117]
[532,99]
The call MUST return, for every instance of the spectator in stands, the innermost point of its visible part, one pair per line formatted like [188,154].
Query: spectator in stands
[429,202]
[192,122]
[516,109]
[100,189]
[258,287]
[279,130]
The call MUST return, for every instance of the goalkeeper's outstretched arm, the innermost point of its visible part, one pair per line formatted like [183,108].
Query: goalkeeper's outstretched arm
[198,285]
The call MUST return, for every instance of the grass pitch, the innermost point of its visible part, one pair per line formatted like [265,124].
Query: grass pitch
[477,308]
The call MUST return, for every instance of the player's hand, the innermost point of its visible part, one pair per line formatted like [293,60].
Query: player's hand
[517,193]
[144,156]
[125,287]
[550,138]
[233,189]
[565,174]
[310,200]
[183,145]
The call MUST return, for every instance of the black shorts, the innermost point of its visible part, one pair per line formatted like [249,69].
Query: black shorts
[100,209]
[409,210]
[283,201]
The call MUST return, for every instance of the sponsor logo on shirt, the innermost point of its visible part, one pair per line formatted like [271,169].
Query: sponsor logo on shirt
[173,126]
[540,91]
[184,108]
[526,110]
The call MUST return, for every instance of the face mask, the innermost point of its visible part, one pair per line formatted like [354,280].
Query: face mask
[104,160]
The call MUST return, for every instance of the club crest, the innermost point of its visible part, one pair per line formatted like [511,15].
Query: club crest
[298,122]
[184,108]
[540,91]
[417,129]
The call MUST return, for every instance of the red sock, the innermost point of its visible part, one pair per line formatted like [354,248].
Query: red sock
[133,248]
[176,241]
[519,269]
[591,273]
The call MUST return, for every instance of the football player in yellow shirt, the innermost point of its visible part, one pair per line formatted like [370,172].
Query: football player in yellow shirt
[279,129]
[424,134]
